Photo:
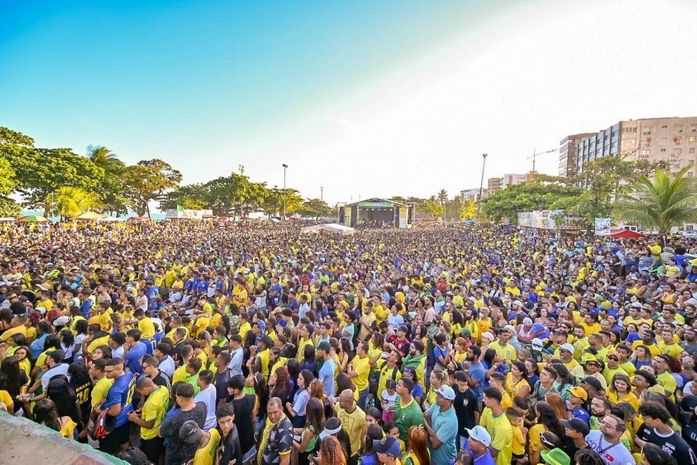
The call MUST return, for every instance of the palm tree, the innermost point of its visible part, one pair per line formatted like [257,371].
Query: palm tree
[661,203]
[103,157]
[70,202]
[112,189]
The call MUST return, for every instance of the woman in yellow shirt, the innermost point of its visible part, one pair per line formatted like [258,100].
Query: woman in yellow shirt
[517,381]
[620,391]
[45,413]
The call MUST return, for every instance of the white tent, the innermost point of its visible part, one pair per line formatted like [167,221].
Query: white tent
[332,227]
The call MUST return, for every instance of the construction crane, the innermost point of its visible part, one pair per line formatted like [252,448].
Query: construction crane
[535,154]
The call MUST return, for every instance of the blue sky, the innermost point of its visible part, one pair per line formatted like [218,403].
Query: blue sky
[358,97]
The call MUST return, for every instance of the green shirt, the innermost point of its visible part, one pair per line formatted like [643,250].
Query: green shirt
[407,416]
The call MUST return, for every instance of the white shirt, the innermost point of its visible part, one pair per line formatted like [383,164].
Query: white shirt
[208,396]
[616,454]
[60,369]
[167,366]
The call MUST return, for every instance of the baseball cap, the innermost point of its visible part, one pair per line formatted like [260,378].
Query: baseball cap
[478,433]
[568,347]
[488,335]
[190,432]
[588,358]
[446,391]
[537,343]
[388,445]
[577,425]
[61,321]
[593,382]
[555,457]
[579,392]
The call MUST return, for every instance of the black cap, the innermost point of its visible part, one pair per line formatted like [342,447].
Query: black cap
[591,381]
[577,425]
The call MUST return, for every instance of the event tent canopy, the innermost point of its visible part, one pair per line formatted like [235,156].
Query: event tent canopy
[331,227]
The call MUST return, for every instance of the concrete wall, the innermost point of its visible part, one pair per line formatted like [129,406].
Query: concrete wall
[23,441]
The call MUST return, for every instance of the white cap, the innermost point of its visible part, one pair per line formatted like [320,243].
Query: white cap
[568,347]
[478,433]
[61,321]
[537,342]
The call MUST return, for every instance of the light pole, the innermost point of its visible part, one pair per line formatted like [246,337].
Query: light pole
[481,183]
[285,167]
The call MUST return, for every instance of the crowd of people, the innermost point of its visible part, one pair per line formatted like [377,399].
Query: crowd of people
[212,343]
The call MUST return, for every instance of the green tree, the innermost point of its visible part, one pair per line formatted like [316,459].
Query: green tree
[69,202]
[315,208]
[147,181]
[432,208]
[8,207]
[661,202]
[112,188]
[536,195]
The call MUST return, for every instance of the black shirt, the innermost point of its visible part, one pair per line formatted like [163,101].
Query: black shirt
[176,450]
[466,404]
[244,421]
[231,447]
[673,444]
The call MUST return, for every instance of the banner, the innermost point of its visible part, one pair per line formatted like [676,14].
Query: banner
[603,225]
[539,219]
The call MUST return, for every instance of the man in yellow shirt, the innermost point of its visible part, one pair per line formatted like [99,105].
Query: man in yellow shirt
[145,325]
[102,383]
[664,377]
[207,442]
[358,371]
[498,426]
[18,327]
[667,343]
[504,350]
[151,417]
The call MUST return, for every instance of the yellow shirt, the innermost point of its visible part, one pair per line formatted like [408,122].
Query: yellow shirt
[501,431]
[21,329]
[264,358]
[100,341]
[202,323]
[244,329]
[666,380]
[6,398]
[179,374]
[614,398]
[146,328]
[670,349]
[206,455]
[362,368]
[518,445]
[154,408]
[506,352]
[100,391]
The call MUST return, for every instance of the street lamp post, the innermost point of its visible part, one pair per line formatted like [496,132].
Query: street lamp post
[481,184]
[285,167]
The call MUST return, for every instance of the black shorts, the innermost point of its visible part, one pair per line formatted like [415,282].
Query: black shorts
[112,442]
[153,448]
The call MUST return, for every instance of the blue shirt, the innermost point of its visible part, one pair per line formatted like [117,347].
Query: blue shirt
[86,307]
[134,356]
[121,392]
[478,373]
[326,374]
[485,459]
[581,414]
[445,426]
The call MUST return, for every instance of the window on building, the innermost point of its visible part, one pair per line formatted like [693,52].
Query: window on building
[663,150]
[691,150]
[646,131]
[647,141]
[665,126]
[689,173]
[677,139]
[692,139]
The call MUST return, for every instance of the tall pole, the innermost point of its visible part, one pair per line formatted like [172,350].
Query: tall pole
[481,183]
[534,155]
[285,167]
[321,194]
